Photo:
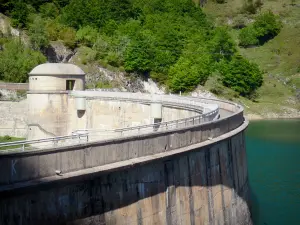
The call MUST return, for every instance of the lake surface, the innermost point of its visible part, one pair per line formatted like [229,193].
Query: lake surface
[273,151]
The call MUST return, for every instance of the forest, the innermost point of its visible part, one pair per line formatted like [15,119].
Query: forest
[173,42]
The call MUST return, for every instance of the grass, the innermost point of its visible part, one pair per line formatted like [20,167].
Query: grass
[7,138]
[279,58]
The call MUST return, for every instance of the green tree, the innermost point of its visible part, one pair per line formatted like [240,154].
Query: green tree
[140,53]
[20,14]
[189,72]
[37,33]
[68,36]
[267,26]
[49,10]
[248,37]
[221,45]
[241,76]
[16,61]
[87,35]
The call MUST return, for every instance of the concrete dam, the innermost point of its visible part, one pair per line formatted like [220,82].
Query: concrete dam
[104,158]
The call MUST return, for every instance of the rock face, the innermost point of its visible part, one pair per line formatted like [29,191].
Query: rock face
[58,53]
[6,28]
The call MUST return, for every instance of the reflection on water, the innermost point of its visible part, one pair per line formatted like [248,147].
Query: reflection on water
[273,151]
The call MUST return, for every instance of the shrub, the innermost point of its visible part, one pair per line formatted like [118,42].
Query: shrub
[16,61]
[248,37]
[68,36]
[265,27]
[53,28]
[188,73]
[49,10]
[37,33]
[251,6]
[87,35]
[242,76]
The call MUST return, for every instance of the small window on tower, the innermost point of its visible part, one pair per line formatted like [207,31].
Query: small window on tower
[70,85]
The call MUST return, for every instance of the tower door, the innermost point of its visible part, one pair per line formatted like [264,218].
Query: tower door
[70,85]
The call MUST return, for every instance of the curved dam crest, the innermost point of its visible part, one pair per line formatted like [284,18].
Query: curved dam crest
[188,168]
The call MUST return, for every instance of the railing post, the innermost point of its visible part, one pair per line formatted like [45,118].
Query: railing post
[23,147]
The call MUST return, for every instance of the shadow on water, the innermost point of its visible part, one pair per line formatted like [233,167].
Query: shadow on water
[181,186]
[273,152]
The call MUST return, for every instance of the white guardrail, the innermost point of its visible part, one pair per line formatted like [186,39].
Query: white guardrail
[210,113]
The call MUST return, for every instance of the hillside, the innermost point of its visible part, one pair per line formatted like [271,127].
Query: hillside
[279,58]
[181,46]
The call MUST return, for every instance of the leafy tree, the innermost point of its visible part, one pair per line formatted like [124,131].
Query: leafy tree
[49,10]
[267,26]
[189,72]
[140,53]
[95,13]
[248,37]
[68,36]
[242,76]
[20,14]
[87,35]
[37,33]
[16,61]
[221,45]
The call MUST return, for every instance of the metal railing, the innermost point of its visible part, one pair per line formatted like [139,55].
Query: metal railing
[91,135]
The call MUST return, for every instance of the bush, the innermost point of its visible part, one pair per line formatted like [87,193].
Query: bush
[248,37]
[16,61]
[251,6]
[242,76]
[87,35]
[37,33]
[53,28]
[49,10]
[188,73]
[68,36]
[265,27]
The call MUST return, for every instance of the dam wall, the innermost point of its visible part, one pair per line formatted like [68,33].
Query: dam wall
[206,184]
[194,174]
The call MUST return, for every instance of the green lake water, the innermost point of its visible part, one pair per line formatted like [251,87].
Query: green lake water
[273,152]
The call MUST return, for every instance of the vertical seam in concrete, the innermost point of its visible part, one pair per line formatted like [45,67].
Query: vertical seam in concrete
[209,193]
[168,208]
[222,188]
[191,199]
[139,211]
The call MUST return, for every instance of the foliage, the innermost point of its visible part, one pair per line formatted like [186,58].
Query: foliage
[17,60]
[95,13]
[248,37]
[87,35]
[37,33]
[189,72]
[265,27]
[68,36]
[171,41]
[242,76]
[252,6]
[221,45]
[49,10]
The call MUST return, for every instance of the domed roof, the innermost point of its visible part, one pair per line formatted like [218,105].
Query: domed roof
[57,69]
